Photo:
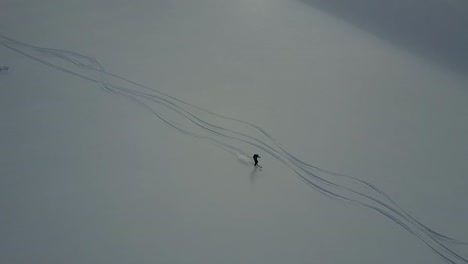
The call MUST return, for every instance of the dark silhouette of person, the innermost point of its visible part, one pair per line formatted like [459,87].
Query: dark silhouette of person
[256,157]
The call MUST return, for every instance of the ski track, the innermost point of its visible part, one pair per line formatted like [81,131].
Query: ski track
[234,136]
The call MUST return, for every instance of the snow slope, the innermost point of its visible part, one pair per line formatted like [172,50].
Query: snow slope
[91,174]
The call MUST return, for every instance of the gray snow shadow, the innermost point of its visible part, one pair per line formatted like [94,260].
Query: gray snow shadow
[241,139]
[253,175]
[434,29]
[4,70]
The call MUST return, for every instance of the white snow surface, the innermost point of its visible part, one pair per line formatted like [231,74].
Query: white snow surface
[115,147]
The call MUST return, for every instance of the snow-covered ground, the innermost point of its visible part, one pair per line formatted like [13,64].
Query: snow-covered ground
[90,174]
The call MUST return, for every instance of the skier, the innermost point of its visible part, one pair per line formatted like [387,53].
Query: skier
[255,157]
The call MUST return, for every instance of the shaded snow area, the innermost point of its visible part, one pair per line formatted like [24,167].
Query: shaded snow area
[128,132]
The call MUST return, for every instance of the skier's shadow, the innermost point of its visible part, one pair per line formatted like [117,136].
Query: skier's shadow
[254,175]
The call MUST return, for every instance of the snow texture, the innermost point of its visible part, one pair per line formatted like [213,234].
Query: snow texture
[241,139]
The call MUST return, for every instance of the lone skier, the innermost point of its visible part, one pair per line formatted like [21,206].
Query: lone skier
[256,157]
